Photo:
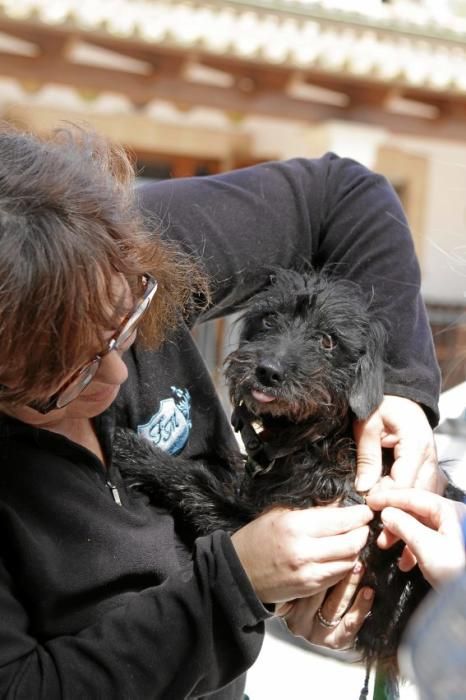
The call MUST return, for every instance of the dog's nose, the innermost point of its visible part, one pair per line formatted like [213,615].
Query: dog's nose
[269,373]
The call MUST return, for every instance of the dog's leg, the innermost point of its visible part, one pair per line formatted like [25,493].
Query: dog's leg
[200,500]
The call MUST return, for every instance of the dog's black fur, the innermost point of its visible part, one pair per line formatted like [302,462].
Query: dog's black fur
[309,361]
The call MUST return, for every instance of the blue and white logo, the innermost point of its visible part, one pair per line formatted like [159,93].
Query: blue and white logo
[169,428]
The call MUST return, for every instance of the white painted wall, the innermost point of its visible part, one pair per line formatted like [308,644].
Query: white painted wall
[289,140]
[444,254]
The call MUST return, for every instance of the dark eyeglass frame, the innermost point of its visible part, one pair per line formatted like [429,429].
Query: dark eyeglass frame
[87,372]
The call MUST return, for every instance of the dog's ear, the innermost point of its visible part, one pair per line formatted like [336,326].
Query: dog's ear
[368,386]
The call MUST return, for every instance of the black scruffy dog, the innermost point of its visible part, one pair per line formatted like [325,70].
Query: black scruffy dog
[309,361]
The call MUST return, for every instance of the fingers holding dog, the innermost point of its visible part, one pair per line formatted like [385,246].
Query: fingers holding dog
[344,546]
[342,613]
[299,615]
[339,598]
[343,634]
[430,526]
[325,521]
[402,425]
[332,619]
[290,554]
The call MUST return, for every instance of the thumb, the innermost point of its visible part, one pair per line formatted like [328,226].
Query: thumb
[367,435]
[418,537]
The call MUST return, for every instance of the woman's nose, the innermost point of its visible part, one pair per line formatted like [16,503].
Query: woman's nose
[112,369]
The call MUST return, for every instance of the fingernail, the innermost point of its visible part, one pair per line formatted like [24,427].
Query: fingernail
[357,568]
[364,483]
[368,594]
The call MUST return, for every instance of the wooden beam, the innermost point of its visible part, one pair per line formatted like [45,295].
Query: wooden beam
[447,108]
[138,88]
[167,62]
[165,56]
[49,44]
[134,47]
[449,129]
[266,101]
[261,77]
[376,96]
[362,87]
[142,89]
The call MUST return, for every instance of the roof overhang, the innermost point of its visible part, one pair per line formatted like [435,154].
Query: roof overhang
[287,59]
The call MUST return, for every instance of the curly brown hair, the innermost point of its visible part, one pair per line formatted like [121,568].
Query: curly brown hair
[69,220]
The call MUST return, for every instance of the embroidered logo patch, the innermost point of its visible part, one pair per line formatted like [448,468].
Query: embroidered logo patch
[169,428]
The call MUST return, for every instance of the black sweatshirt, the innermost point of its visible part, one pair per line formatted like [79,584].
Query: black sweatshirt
[101,600]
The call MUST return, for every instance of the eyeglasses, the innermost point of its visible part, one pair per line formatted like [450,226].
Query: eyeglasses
[120,341]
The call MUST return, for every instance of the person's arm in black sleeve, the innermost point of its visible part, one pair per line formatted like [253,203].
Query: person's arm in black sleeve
[332,212]
[366,235]
[181,639]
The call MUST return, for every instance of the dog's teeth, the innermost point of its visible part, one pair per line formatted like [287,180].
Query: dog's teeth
[261,397]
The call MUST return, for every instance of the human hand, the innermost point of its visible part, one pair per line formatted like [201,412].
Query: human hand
[331,619]
[431,527]
[291,554]
[401,424]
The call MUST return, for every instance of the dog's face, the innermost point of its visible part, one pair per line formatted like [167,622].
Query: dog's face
[308,347]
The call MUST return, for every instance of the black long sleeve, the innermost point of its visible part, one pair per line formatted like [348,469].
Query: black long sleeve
[331,212]
[170,641]
[99,600]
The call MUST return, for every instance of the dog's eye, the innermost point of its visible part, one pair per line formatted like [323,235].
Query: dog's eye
[267,323]
[327,342]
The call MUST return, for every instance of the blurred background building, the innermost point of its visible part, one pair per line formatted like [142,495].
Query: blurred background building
[194,87]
